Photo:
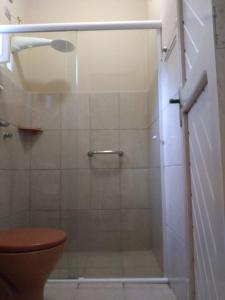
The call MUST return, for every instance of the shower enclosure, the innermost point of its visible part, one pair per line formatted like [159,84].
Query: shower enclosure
[86,156]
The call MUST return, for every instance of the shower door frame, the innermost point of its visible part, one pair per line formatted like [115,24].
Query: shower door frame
[97,26]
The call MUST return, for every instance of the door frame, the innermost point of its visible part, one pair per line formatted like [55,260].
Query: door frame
[186,109]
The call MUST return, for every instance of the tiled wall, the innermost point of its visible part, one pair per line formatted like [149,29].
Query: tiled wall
[102,202]
[14,156]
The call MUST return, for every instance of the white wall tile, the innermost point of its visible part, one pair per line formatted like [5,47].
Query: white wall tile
[154,149]
[45,189]
[176,209]
[172,136]
[177,269]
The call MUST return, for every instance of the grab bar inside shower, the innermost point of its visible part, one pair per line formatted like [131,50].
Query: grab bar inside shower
[92,153]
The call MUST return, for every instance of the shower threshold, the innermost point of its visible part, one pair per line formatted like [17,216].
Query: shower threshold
[158,280]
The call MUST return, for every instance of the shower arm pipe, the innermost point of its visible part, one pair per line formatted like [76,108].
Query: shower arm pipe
[82,26]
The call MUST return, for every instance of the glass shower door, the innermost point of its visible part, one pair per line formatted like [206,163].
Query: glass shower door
[98,96]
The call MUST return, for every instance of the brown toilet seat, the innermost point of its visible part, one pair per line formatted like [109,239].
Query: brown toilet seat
[30,239]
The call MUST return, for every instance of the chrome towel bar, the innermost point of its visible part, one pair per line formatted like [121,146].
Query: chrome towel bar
[92,153]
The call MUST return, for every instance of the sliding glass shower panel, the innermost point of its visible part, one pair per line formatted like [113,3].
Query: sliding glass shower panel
[94,92]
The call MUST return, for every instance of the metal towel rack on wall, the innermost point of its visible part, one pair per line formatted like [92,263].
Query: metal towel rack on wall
[92,153]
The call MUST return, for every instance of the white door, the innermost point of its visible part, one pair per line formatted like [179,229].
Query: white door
[206,174]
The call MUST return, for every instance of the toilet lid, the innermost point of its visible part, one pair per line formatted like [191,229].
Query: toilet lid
[30,239]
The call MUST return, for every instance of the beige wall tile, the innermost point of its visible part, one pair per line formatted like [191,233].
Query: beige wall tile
[134,111]
[97,230]
[5,193]
[157,218]
[104,111]
[70,225]
[20,186]
[4,222]
[106,220]
[106,241]
[46,150]
[105,140]
[45,190]
[135,144]
[20,219]
[135,191]
[14,103]
[15,151]
[70,151]
[45,111]
[136,229]
[105,189]
[75,111]
[44,219]
[75,189]
[75,147]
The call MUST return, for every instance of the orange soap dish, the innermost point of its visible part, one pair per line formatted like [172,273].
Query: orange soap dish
[30,130]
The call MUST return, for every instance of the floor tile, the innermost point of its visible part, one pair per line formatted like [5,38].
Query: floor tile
[100,293]
[60,291]
[148,292]
[103,273]
[115,264]
[104,260]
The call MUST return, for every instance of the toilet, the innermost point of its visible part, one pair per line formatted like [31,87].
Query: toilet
[27,257]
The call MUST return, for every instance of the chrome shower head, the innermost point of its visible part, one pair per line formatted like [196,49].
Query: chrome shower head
[19,43]
[62,45]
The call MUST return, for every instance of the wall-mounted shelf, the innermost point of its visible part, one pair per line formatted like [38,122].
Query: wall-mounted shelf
[30,130]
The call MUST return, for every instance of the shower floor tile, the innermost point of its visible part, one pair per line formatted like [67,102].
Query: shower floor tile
[107,265]
[107,291]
